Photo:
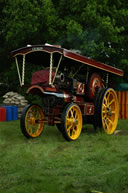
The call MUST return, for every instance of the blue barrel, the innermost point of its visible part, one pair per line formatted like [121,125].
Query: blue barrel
[11,113]
[14,113]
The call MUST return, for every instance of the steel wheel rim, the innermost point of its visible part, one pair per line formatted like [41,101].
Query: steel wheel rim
[33,128]
[110,111]
[74,122]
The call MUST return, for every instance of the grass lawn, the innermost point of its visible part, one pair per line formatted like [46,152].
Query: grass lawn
[49,164]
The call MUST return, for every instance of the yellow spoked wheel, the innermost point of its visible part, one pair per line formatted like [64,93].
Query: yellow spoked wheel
[71,122]
[109,111]
[106,110]
[30,125]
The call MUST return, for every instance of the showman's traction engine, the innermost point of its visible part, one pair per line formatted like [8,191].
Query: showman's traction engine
[74,90]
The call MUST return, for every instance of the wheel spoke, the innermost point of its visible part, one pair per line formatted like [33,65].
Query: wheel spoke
[104,120]
[108,96]
[71,111]
[106,102]
[110,124]
[30,129]
[107,124]
[73,132]
[32,111]
[104,114]
[104,105]
[69,130]
[37,115]
[69,121]
[76,115]
[110,121]
[112,101]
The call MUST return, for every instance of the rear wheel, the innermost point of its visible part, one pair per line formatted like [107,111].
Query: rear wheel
[94,83]
[30,125]
[97,99]
[71,122]
[107,110]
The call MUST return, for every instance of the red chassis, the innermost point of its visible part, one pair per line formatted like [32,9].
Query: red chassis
[73,89]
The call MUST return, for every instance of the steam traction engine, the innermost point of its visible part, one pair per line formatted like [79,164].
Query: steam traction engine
[74,89]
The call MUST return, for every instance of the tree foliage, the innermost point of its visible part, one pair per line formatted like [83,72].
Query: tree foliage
[98,28]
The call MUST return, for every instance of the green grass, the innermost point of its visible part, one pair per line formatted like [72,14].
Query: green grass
[49,164]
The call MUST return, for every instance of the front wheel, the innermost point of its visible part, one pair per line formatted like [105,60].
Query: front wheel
[30,123]
[71,122]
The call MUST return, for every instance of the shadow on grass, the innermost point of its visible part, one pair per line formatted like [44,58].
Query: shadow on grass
[89,129]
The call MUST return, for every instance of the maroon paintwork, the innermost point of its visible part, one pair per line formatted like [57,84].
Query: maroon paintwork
[41,76]
[68,54]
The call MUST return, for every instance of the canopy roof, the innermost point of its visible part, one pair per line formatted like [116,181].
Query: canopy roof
[67,54]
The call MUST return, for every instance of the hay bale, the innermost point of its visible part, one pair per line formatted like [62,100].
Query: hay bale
[13,98]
